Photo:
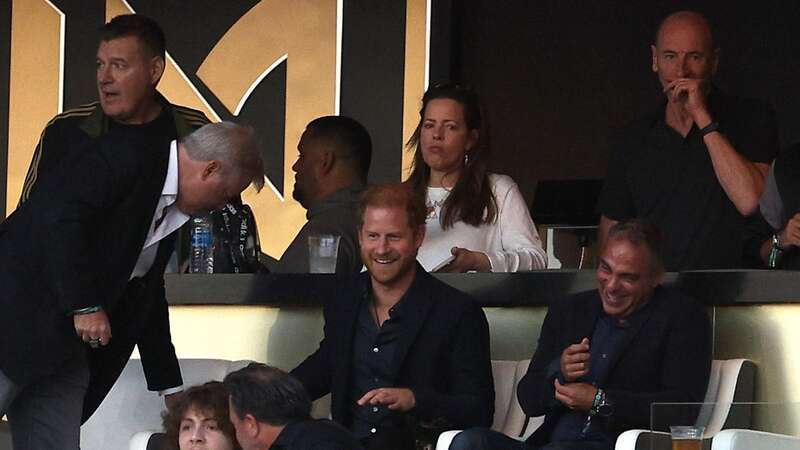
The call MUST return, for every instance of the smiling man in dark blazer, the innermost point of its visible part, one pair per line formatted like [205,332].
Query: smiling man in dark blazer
[82,263]
[605,356]
[404,355]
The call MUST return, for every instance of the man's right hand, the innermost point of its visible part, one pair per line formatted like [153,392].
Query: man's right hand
[575,360]
[93,327]
[790,235]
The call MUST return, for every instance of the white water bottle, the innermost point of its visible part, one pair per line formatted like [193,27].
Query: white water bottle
[201,259]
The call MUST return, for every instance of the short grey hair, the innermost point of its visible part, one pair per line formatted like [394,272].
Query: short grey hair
[234,146]
[641,233]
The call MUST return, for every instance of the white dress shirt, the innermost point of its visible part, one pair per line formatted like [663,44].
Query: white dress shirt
[172,219]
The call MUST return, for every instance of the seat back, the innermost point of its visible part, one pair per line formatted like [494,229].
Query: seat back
[508,416]
[517,423]
[130,408]
[730,381]
[505,391]
[5,435]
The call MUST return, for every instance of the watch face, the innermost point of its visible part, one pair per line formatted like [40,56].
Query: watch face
[605,409]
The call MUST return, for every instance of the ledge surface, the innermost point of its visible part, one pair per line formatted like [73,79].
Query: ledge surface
[735,287]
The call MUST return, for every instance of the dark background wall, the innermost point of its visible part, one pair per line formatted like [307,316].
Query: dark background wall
[557,78]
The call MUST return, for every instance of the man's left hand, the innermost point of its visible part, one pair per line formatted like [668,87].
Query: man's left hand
[172,400]
[690,93]
[576,396]
[397,399]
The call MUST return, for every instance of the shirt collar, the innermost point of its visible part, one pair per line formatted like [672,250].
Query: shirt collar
[171,182]
[414,294]
[344,196]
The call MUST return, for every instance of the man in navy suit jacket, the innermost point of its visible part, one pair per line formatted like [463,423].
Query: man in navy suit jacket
[605,356]
[82,263]
[404,355]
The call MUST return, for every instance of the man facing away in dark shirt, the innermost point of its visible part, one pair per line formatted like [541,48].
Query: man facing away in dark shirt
[330,174]
[605,356]
[270,409]
[696,166]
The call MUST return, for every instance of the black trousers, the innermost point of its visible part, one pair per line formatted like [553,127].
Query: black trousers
[389,438]
[44,415]
[486,439]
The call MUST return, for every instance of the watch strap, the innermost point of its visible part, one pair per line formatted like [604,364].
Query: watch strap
[710,128]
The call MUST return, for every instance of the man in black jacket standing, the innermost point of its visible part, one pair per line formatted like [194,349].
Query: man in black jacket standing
[404,354]
[605,356]
[82,269]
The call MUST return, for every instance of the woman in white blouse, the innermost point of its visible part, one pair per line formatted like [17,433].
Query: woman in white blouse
[477,221]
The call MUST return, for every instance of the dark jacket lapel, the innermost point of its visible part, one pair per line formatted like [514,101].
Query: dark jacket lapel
[585,322]
[417,303]
[343,315]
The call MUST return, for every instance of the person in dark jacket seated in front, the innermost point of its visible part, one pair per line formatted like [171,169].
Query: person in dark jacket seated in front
[270,409]
[404,355]
[604,356]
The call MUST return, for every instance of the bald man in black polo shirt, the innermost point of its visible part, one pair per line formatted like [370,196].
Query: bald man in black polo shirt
[696,166]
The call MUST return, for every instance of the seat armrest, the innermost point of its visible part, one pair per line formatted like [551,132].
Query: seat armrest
[443,443]
[141,440]
[643,440]
[5,435]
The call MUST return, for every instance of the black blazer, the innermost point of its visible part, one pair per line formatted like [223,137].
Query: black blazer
[74,244]
[664,357]
[444,358]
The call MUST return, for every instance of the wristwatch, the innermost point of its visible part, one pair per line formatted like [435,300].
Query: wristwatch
[775,252]
[601,406]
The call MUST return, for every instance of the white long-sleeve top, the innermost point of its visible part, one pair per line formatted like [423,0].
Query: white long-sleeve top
[511,241]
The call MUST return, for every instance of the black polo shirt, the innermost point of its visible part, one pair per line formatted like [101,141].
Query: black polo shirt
[319,434]
[657,174]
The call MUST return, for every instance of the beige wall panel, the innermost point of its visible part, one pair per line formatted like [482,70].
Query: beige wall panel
[285,336]
[282,337]
[768,335]
[514,331]
[306,32]
[35,84]
[279,336]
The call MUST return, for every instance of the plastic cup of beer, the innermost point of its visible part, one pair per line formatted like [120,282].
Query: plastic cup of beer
[322,253]
[687,438]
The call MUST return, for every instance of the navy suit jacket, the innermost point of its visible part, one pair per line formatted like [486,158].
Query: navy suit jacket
[443,358]
[74,244]
[664,357]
